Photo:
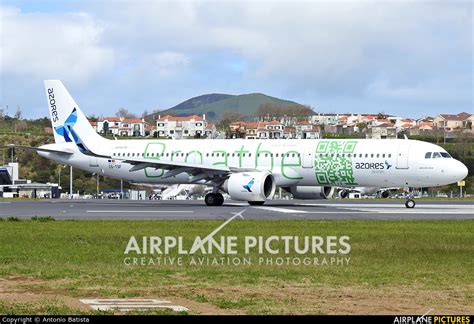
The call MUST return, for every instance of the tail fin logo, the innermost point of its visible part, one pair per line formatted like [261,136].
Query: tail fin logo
[65,130]
[249,185]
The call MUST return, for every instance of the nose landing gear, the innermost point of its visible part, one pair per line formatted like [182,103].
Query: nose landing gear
[410,203]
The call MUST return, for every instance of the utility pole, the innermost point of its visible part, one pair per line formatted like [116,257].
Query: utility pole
[70,182]
[60,168]
[121,188]
[444,133]
[97,195]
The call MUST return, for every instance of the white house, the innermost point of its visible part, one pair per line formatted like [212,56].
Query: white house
[270,130]
[184,127]
[325,119]
[120,126]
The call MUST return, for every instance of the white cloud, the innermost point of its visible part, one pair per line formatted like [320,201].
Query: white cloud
[43,46]
[398,53]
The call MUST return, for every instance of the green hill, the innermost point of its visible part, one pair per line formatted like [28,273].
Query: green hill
[215,104]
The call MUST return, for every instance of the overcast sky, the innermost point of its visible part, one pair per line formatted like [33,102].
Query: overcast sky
[408,58]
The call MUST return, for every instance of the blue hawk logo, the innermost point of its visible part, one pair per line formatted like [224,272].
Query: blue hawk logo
[388,165]
[249,185]
[67,132]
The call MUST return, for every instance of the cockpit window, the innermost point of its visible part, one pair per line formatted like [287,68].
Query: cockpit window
[436,155]
[445,155]
[428,155]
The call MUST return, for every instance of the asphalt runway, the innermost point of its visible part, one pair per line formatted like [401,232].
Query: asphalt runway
[273,210]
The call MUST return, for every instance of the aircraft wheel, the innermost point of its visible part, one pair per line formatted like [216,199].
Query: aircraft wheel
[410,203]
[256,203]
[344,194]
[220,199]
[385,194]
[210,199]
[214,199]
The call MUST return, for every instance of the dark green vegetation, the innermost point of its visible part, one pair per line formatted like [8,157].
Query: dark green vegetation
[213,105]
[414,265]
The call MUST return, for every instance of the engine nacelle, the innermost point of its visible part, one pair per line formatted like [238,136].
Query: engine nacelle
[250,186]
[311,192]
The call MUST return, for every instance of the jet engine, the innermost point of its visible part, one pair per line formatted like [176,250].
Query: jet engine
[311,192]
[254,187]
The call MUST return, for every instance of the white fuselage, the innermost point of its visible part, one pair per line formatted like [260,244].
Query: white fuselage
[342,163]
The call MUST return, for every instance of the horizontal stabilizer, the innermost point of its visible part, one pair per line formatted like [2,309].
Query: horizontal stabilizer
[40,149]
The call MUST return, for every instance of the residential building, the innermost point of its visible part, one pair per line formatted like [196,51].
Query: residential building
[324,119]
[183,127]
[422,128]
[119,126]
[305,130]
[270,130]
[459,122]
[382,131]
[252,130]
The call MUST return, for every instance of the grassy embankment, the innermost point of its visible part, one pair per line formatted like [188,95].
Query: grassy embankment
[396,267]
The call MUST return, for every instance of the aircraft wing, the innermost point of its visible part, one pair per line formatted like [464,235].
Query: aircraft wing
[198,171]
[209,173]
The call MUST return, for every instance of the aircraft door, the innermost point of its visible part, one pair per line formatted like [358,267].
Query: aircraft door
[93,162]
[307,159]
[402,155]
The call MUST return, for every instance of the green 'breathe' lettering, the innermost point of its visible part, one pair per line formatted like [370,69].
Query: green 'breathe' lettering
[150,147]
[284,164]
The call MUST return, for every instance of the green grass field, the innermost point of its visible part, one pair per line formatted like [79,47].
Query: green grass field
[396,267]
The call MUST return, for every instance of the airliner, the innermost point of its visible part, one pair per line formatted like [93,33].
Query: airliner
[246,169]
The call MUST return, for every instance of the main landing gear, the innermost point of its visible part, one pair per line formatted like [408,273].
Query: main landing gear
[214,199]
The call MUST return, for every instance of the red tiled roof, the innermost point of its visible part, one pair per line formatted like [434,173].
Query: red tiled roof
[180,118]
[385,125]
[425,124]
[251,124]
[109,119]
[273,122]
[133,120]
[459,117]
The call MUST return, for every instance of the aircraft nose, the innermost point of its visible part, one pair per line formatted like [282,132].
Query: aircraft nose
[460,171]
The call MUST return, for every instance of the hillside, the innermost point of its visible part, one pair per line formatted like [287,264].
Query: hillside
[201,100]
[215,104]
